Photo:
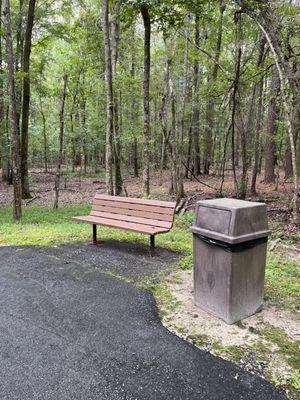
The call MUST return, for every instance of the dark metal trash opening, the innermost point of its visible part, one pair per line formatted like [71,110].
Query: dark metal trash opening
[233,247]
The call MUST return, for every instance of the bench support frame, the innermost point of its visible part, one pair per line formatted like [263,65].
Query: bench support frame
[152,245]
[94,234]
[152,240]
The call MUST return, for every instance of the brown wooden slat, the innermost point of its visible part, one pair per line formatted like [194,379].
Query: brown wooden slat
[133,200]
[134,213]
[129,226]
[140,207]
[127,218]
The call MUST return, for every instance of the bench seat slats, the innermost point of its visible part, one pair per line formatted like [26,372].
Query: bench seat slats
[134,219]
[164,204]
[133,213]
[130,226]
[137,215]
[132,206]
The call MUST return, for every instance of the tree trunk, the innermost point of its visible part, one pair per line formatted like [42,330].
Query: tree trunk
[180,188]
[210,109]
[19,59]
[61,143]
[146,104]
[44,136]
[257,147]
[115,38]
[110,102]
[247,130]
[196,108]
[286,77]
[26,101]
[273,115]
[173,146]
[2,116]
[295,121]
[164,113]
[133,109]
[189,152]
[236,109]
[82,122]
[16,167]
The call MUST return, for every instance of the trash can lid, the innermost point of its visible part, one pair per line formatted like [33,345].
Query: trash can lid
[231,220]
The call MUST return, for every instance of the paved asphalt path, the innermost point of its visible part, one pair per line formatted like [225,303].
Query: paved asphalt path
[69,329]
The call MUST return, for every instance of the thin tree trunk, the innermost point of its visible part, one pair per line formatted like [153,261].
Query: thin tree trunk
[73,142]
[180,188]
[16,167]
[286,79]
[110,102]
[26,100]
[82,121]
[257,149]
[295,121]
[8,154]
[273,115]
[44,136]
[235,103]
[2,114]
[173,146]
[133,109]
[196,108]
[210,110]
[19,59]
[146,103]
[115,38]
[164,113]
[247,127]
[61,143]
[189,152]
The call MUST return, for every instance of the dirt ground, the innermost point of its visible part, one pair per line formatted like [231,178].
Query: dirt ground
[187,314]
[77,189]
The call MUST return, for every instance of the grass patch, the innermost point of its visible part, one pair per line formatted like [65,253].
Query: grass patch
[282,282]
[44,227]
[273,348]
[158,285]
[288,349]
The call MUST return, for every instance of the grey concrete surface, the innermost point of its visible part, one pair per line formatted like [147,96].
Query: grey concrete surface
[70,331]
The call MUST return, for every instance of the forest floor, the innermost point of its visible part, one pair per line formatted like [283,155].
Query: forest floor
[267,344]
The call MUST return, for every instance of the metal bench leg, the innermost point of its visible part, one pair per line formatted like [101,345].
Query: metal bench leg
[94,234]
[152,244]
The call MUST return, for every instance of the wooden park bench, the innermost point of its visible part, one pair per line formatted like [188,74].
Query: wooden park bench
[150,217]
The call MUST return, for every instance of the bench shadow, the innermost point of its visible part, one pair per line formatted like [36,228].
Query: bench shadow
[135,248]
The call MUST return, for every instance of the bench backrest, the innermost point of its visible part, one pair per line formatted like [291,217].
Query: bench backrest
[148,212]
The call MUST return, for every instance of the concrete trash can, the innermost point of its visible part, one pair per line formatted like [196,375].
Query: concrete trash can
[230,245]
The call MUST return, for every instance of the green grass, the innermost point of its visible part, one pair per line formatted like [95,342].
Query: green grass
[42,226]
[282,282]
[252,356]
[45,227]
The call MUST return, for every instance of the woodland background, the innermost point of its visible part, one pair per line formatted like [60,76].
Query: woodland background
[171,91]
